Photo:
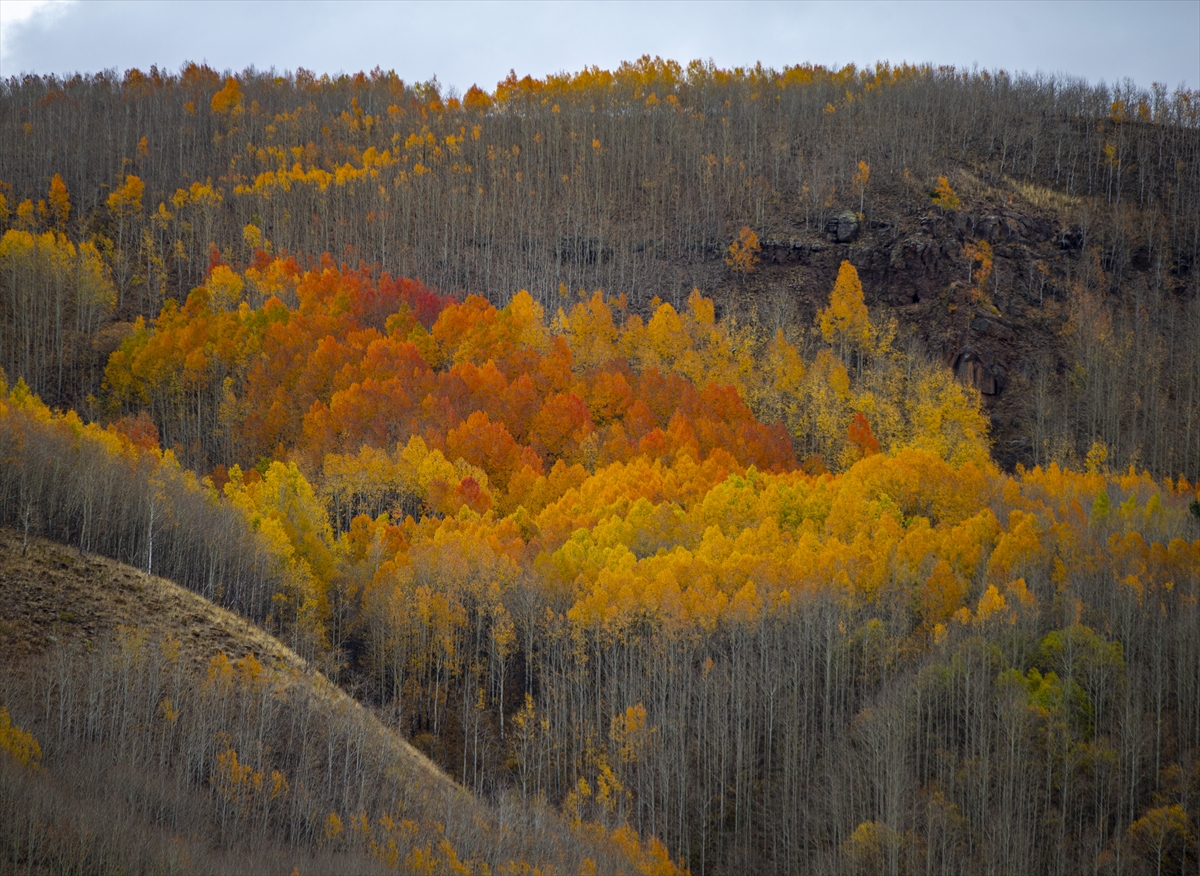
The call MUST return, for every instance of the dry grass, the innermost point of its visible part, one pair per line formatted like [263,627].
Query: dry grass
[969,185]
[55,594]
[1044,198]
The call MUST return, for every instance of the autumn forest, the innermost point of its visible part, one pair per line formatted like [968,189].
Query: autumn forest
[653,470]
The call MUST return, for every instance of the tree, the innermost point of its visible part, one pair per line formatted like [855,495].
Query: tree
[945,417]
[562,423]
[228,100]
[844,322]
[18,744]
[861,176]
[60,203]
[743,253]
[944,196]
[860,437]
[873,847]
[125,205]
[487,444]
[1156,832]
[978,253]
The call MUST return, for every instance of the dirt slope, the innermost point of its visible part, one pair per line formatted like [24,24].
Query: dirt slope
[50,593]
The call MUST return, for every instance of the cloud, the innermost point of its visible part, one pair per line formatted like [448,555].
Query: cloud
[16,16]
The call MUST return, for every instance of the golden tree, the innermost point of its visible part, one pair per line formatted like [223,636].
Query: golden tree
[944,196]
[743,252]
[228,100]
[979,261]
[19,744]
[60,202]
[844,323]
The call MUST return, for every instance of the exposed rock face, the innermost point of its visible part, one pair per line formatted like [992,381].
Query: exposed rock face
[973,369]
[842,228]
[912,266]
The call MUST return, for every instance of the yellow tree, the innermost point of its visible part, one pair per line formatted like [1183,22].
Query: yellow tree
[60,202]
[979,261]
[666,339]
[945,417]
[25,220]
[844,322]
[225,288]
[126,199]
[873,847]
[228,101]
[743,253]
[784,373]
[590,332]
[125,205]
[19,744]
[826,407]
[944,196]
[294,528]
[1156,832]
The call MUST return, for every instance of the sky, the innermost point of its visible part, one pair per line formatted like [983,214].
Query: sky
[465,43]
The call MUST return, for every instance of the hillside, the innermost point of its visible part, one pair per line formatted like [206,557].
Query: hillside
[58,598]
[671,635]
[95,648]
[794,469]
[1054,272]
[1005,291]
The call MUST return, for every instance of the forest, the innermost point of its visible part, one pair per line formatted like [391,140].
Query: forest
[741,470]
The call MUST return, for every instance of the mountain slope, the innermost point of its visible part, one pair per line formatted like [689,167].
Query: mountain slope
[1078,321]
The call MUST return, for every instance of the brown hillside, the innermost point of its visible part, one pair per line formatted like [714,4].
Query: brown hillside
[54,595]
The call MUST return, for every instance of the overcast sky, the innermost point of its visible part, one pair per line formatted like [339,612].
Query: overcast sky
[478,42]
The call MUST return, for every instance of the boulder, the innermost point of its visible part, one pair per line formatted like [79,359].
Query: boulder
[842,228]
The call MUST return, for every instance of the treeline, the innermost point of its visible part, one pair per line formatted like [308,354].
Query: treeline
[615,180]
[111,491]
[356,361]
[632,181]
